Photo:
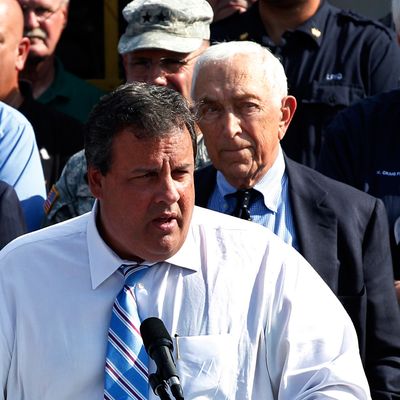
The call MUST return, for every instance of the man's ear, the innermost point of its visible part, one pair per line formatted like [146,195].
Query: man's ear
[23,50]
[65,11]
[288,109]
[95,181]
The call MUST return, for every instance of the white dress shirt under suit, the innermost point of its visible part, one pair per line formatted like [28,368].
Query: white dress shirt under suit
[254,320]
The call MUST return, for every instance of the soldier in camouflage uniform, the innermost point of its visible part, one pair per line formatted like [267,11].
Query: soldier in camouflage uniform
[70,196]
[160,46]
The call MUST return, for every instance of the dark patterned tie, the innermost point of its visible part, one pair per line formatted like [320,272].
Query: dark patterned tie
[243,198]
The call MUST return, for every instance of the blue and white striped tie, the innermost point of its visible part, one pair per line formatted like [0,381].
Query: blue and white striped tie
[126,371]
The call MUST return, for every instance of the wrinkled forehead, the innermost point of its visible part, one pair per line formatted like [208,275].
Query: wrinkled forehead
[42,3]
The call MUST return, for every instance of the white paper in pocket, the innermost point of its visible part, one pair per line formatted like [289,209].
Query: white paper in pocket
[207,366]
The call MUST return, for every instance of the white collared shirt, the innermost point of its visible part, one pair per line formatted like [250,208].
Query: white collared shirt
[254,320]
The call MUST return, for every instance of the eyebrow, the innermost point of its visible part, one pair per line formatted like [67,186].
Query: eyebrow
[156,169]
[206,100]
[239,97]
[184,166]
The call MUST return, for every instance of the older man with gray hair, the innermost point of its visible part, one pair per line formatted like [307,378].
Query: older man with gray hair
[52,84]
[244,111]
[161,43]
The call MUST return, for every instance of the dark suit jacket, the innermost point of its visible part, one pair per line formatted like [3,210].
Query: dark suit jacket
[12,223]
[343,233]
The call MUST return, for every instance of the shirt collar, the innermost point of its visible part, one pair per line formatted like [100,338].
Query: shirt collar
[103,261]
[270,185]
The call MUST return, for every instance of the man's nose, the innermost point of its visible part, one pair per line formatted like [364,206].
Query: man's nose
[30,19]
[231,123]
[157,76]
[168,191]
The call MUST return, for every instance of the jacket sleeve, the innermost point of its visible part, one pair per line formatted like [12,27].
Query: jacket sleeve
[382,363]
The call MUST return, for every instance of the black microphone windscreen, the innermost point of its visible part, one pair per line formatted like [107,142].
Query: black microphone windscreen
[154,331]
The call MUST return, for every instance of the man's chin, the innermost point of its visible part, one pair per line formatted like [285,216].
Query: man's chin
[35,58]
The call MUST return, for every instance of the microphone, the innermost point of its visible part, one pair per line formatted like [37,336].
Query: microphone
[159,347]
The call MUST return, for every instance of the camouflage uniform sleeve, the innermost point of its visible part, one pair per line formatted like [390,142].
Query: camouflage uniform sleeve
[202,158]
[70,195]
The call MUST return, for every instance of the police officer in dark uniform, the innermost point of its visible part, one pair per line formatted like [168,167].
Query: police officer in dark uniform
[362,149]
[331,57]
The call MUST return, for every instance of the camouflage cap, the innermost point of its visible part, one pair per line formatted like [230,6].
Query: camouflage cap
[175,25]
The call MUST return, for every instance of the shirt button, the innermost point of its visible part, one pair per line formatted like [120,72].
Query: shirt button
[332,99]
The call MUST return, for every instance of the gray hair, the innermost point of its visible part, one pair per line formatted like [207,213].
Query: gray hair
[275,76]
[396,14]
[147,111]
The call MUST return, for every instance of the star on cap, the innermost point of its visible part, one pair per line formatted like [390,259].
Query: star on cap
[146,17]
[161,17]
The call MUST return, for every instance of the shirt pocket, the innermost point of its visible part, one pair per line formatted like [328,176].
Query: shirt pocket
[207,366]
[333,94]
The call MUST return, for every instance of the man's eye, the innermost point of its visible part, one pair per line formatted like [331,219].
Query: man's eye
[139,62]
[171,64]
[144,176]
[40,11]
[248,107]
[209,110]
[179,173]
[171,61]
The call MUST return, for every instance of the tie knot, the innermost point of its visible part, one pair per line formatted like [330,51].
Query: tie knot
[133,272]
[243,200]
[243,196]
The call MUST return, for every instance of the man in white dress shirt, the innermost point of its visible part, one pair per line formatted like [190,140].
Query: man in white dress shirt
[242,302]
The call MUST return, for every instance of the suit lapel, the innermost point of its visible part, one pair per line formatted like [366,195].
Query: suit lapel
[205,180]
[315,222]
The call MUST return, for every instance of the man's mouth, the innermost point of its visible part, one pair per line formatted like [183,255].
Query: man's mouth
[165,222]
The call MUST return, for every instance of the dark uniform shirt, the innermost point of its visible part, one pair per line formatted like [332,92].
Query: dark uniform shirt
[58,135]
[332,60]
[70,95]
[362,149]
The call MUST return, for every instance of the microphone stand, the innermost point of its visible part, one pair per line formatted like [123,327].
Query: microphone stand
[159,387]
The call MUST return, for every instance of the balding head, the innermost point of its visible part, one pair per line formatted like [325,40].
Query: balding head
[12,16]
[14,47]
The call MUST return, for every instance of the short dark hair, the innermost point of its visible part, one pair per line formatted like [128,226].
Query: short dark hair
[147,110]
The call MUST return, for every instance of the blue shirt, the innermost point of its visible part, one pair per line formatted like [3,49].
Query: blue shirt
[332,60]
[20,164]
[271,210]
